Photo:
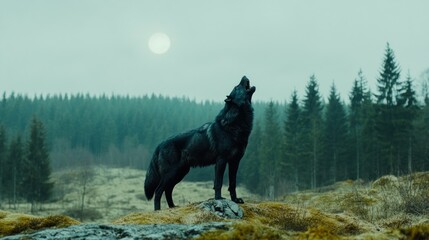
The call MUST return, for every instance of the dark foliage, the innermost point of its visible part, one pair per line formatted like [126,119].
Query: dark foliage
[36,166]
[25,167]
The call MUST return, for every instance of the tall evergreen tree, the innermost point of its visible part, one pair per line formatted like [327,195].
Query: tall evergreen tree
[370,159]
[407,95]
[356,118]
[405,116]
[388,82]
[292,142]
[37,168]
[3,169]
[270,152]
[335,165]
[421,128]
[249,166]
[388,94]
[313,124]
[15,173]
[421,134]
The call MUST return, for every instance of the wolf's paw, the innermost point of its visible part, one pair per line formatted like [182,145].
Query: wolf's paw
[238,200]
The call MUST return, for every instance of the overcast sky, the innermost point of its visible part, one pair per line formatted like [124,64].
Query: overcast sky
[101,46]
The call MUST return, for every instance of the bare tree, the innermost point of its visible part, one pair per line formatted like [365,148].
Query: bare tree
[84,176]
[425,85]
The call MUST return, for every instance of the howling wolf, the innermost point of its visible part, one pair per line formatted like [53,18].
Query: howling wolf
[220,142]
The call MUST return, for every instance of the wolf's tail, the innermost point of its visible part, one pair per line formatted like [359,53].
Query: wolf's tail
[152,177]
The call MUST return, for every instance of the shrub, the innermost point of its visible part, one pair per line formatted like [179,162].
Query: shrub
[414,194]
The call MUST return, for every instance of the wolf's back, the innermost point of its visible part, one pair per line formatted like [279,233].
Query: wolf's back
[152,177]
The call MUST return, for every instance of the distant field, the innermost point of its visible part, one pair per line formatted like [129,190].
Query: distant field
[114,192]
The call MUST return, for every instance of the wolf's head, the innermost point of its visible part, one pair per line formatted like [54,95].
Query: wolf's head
[241,94]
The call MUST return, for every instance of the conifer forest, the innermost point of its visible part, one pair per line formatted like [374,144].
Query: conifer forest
[307,141]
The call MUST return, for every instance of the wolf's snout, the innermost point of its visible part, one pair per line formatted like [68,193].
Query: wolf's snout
[245,82]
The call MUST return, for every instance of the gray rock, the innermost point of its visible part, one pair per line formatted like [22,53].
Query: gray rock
[223,208]
[125,232]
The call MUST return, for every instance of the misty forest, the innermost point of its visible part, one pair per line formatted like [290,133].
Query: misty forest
[307,142]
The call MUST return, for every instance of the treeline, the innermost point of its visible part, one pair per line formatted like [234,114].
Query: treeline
[112,130]
[101,130]
[25,167]
[317,143]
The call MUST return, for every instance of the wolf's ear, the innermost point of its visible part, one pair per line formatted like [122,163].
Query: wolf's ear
[228,98]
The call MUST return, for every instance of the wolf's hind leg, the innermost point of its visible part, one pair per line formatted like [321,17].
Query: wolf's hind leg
[158,194]
[176,176]
[169,196]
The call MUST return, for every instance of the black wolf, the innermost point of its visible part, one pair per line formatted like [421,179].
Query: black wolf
[220,142]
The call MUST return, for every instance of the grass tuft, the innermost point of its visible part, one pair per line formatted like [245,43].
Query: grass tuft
[243,230]
[418,232]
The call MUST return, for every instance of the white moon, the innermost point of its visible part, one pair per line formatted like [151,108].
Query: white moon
[159,43]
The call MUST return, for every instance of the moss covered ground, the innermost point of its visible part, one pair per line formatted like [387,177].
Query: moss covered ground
[388,208]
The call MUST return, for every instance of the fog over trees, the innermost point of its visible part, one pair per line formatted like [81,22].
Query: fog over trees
[308,142]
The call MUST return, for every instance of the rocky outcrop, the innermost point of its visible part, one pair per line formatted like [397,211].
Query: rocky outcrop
[167,224]
[223,208]
[113,232]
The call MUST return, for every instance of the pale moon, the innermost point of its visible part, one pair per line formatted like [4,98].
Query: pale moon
[159,43]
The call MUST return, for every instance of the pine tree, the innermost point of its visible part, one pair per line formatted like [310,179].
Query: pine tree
[292,141]
[313,124]
[335,165]
[270,152]
[370,159]
[3,169]
[356,118]
[407,94]
[15,162]
[388,94]
[36,167]
[421,133]
[421,128]
[405,116]
[249,165]
[388,82]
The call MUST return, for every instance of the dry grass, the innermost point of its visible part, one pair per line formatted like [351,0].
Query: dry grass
[13,223]
[245,230]
[294,218]
[416,232]
[388,202]
[182,215]
[266,220]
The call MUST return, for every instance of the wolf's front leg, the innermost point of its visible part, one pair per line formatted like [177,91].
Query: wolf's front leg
[218,181]
[233,168]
